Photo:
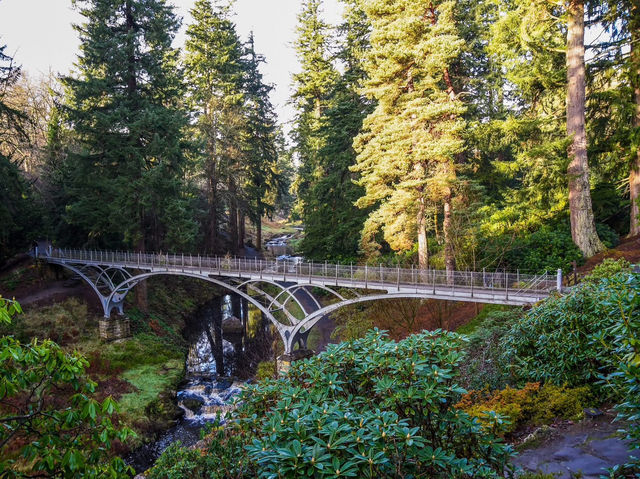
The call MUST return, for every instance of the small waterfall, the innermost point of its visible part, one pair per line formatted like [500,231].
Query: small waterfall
[227,339]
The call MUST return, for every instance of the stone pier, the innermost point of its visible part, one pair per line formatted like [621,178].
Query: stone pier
[114,328]
[284,361]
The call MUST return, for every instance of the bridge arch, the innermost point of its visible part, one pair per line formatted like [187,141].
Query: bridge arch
[125,286]
[311,320]
[85,278]
[290,291]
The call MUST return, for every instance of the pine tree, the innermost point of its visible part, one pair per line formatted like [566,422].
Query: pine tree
[312,89]
[124,106]
[332,221]
[215,73]
[583,227]
[544,59]
[409,144]
[633,29]
[15,203]
[262,176]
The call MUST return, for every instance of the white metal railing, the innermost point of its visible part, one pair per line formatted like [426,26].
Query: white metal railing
[338,274]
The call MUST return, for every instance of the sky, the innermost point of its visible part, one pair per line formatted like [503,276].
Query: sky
[40,36]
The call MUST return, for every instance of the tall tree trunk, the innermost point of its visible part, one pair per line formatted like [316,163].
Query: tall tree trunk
[141,287]
[233,217]
[213,222]
[259,233]
[449,258]
[583,227]
[212,242]
[423,247]
[241,230]
[634,176]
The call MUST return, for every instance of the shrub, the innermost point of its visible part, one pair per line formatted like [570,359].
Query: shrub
[624,334]
[372,408]
[50,423]
[531,405]
[485,365]
[559,341]
[266,370]
[365,408]
[545,249]
[608,269]
[607,235]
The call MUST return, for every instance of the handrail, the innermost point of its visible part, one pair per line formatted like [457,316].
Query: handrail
[306,271]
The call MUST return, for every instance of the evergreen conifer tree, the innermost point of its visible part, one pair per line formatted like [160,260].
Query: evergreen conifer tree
[124,105]
[312,90]
[215,71]
[410,142]
[262,177]
[332,221]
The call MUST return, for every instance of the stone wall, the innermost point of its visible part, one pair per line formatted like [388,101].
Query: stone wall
[114,328]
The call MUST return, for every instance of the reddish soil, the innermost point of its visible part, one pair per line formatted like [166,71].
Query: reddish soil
[629,248]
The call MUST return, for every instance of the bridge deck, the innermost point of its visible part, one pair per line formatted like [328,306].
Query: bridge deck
[482,287]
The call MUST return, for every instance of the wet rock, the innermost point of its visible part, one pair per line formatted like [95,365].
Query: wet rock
[223,384]
[612,449]
[193,404]
[567,453]
[588,465]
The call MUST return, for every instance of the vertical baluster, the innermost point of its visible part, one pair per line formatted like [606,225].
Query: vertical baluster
[366,276]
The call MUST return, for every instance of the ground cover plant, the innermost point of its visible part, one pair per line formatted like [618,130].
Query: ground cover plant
[534,404]
[51,425]
[370,407]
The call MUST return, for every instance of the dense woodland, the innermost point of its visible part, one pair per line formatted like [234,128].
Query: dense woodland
[451,134]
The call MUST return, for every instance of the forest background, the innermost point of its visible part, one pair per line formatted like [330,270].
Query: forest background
[446,134]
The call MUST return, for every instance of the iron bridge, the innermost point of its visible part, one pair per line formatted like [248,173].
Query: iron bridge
[282,290]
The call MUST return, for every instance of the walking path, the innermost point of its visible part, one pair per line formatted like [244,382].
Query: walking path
[585,450]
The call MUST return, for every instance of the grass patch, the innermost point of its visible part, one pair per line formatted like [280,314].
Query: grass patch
[475,323]
[66,323]
[150,380]
[142,349]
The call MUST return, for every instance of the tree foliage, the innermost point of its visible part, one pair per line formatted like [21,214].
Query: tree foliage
[49,422]
[365,408]
[125,108]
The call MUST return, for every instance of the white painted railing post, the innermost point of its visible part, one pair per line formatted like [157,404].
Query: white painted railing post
[434,281]
[366,272]
[472,284]
[559,280]
[506,284]
[398,279]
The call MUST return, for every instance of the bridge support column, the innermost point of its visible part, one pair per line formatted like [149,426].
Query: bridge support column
[111,329]
[284,361]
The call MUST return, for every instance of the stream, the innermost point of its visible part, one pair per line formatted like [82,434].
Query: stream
[227,338]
